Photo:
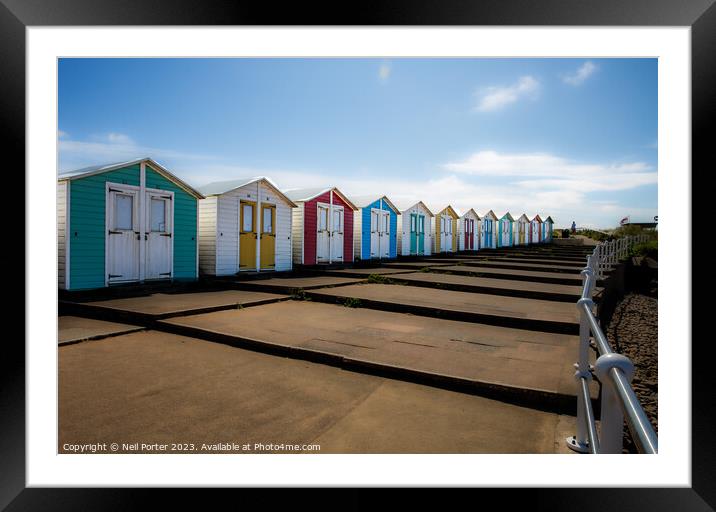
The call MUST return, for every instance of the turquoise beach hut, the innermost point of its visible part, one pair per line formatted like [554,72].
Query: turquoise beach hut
[506,227]
[547,230]
[126,222]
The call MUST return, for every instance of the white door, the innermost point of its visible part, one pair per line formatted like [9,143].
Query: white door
[336,245]
[159,234]
[323,234]
[123,234]
[375,218]
[384,234]
[446,242]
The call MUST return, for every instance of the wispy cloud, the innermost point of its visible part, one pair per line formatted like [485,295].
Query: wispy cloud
[384,71]
[578,77]
[113,147]
[62,135]
[498,97]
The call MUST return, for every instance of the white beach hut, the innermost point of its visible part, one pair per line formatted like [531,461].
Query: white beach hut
[244,225]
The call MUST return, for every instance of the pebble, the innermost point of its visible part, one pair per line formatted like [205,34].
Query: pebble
[633,331]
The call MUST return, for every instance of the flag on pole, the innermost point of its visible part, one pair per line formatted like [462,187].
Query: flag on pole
[624,221]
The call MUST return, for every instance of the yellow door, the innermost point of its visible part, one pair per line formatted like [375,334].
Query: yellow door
[454,235]
[438,231]
[247,236]
[268,236]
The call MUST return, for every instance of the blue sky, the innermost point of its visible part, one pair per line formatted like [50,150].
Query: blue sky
[572,138]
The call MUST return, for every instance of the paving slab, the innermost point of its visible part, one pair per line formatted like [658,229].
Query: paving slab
[294,284]
[166,305]
[73,329]
[541,315]
[158,388]
[515,275]
[516,364]
[466,283]
[365,272]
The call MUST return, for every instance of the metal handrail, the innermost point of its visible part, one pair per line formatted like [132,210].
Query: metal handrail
[613,370]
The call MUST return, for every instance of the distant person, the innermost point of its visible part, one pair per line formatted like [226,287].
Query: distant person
[574,227]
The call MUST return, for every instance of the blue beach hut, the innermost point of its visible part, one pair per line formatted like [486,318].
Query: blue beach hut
[375,228]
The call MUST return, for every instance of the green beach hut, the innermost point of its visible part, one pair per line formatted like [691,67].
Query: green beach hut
[125,222]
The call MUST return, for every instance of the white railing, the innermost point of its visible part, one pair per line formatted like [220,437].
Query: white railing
[613,370]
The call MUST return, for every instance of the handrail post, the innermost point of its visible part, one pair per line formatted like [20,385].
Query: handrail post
[612,415]
[580,441]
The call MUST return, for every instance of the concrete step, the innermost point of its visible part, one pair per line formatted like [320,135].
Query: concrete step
[367,272]
[513,365]
[147,309]
[514,312]
[293,285]
[416,265]
[577,263]
[506,252]
[516,275]
[73,329]
[506,287]
[510,265]
[581,260]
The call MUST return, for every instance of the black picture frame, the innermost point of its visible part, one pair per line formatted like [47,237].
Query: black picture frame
[16,15]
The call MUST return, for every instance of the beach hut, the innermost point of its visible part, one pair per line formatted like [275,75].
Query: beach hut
[375,228]
[126,222]
[469,231]
[506,230]
[322,226]
[445,230]
[244,225]
[414,233]
[522,227]
[536,230]
[547,226]
[489,230]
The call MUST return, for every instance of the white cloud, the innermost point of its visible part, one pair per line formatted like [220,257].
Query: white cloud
[579,76]
[495,98]
[563,203]
[384,71]
[550,171]
[62,135]
[116,138]
[554,186]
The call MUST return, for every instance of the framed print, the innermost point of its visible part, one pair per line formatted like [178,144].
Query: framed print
[413,247]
